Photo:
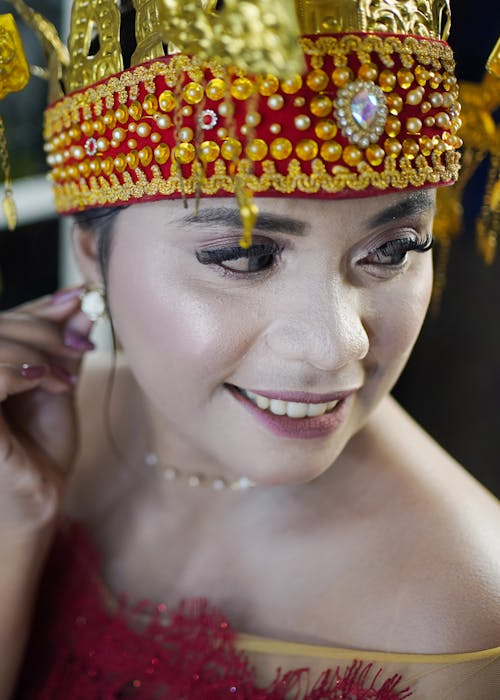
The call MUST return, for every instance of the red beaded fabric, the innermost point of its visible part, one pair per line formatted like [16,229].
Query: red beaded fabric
[80,651]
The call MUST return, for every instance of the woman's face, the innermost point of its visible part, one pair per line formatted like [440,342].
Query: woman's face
[323,309]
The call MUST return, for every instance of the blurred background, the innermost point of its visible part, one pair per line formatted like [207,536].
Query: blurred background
[452,382]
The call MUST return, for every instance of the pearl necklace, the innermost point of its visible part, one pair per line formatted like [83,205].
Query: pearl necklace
[217,483]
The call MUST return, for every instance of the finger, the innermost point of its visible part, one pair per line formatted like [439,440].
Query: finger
[55,378]
[43,335]
[54,306]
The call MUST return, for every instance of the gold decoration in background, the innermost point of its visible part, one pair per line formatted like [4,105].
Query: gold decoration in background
[255,36]
[481,137]
[55,51]
[428,18]
[147,31]
[14,76]
[93,19]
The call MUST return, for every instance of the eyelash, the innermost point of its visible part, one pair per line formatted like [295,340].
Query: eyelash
[258,251]
[399,247]
[254,253]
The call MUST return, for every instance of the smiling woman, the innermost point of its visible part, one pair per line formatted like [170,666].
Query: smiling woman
[260,519]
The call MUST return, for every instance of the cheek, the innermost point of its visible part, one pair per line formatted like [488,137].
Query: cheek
[166,321]
[398,315]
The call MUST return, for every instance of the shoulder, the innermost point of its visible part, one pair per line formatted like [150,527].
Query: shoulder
[446,539]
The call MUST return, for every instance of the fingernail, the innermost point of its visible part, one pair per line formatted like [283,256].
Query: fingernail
[33,371]
[63,295]
[63,374]
[75,341]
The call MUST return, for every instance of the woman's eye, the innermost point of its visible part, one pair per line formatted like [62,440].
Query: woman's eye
[257,258]
[394,253]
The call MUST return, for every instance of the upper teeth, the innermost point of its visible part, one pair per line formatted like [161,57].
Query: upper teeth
[292,409]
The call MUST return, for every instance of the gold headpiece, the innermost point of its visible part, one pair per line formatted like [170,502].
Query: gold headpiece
[316,98]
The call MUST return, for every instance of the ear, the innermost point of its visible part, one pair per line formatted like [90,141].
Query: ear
[86,254]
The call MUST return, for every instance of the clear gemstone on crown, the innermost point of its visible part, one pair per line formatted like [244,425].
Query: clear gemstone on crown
[361,111]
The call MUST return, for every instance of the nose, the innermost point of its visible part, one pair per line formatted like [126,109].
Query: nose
[324,330]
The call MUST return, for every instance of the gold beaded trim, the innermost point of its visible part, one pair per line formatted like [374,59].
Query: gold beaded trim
[129,138]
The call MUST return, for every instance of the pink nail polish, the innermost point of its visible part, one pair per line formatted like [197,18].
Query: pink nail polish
[63,374]
[75,341]
[64,295]
[33,371]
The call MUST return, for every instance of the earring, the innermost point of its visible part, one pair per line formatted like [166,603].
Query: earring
[93,303]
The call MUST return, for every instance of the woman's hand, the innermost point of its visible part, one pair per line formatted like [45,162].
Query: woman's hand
[41,347]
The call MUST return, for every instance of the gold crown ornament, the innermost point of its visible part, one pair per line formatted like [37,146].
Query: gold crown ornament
[14,76]
[302,98]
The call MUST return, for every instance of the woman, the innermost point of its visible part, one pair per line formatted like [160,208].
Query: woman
[255,459]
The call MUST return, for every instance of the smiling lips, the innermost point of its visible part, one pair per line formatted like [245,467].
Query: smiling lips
[292,409]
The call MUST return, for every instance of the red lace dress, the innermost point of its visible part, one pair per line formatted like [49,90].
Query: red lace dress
[81,649]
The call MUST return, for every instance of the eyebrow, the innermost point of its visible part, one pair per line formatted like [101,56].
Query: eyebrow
[230,217]
[416,203]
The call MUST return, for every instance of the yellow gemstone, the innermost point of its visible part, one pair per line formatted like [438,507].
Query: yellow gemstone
[193,93]
[187,111]
[162,153]
[387,80]
[375,154]
[108,165]
[231,149]
[132,143]
[72,172]
[317,80]
[352,155]
[413,125]
[96,166]
[120,162]
[146,156]
[392,147]
[426,145]
[135,110]
[307,149]
[110,120]
[102,144]
[392,126]
[435,80]
[426,107]
[99,126]
[184,153]
[74,133]
[257,149]
[326,130]
[367,71]
[268,85]
[119,134]
[300,101]
[421,75]
[150,104]
[155,137]
[321,105]
[281,148]
[410,148]
[291,85]
[394,103]
[84,168]
[209,151]
[242,88]
[133,159]
[121,114]
[341,76]
[405,78]
[88,128]
[216,89]
[167,101]
[331,151]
